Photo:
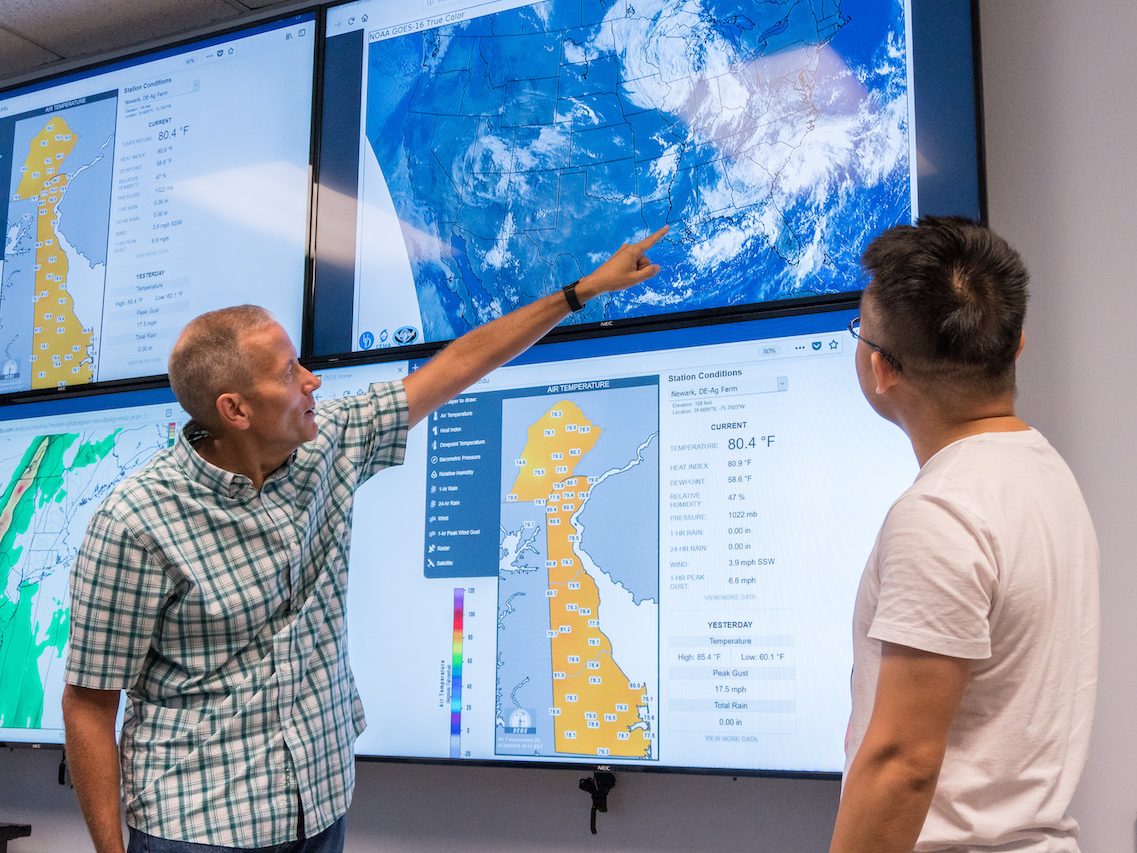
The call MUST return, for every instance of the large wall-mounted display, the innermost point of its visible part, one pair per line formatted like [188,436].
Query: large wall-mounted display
[637,544]
[638,550]
[58,460]
[138,193]
[478,155]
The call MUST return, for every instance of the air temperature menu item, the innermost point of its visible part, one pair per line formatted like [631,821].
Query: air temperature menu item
[136,195]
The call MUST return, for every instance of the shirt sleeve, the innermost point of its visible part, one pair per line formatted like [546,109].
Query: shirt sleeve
[373,427]
[938,579]
[117,595]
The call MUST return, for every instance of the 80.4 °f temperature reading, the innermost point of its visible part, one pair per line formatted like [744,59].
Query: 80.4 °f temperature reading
[751,442]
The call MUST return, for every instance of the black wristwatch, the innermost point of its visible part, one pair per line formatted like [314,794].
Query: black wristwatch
[569,290]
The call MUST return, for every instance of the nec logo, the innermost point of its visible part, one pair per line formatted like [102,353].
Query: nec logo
[405,334]
[602,768]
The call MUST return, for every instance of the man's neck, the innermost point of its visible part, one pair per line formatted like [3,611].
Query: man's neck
[931,428]
[231,455]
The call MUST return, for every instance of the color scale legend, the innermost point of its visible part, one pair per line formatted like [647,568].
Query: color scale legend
[456,676]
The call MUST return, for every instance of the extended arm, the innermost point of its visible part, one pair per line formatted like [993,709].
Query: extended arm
[890,784]
[482,350]
[88,718]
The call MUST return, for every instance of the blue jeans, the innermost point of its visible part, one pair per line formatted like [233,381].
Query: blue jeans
[328,841]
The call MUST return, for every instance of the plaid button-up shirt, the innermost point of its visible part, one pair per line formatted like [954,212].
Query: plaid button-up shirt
[220,610]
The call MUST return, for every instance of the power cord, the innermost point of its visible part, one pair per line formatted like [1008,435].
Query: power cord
[598,786]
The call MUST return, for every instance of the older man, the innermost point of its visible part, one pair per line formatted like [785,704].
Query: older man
[211,587]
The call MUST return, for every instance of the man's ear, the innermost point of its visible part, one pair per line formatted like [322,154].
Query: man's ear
[883,373]
[232,411]
[1022,343]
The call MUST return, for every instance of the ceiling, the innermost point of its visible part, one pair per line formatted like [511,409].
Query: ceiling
[36,36]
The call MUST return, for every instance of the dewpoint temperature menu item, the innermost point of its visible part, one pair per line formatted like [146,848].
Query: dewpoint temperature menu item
[638,550]
[481,154]
[135,195]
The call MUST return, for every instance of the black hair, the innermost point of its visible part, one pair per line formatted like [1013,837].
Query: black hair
[949,297]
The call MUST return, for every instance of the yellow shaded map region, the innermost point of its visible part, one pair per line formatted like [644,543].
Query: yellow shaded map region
[59,342]
[597,710]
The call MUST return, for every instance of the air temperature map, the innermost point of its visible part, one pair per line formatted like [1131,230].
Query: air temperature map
[54,264]
[578,592]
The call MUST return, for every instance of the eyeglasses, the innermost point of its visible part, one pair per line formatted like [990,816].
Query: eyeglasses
[855,331]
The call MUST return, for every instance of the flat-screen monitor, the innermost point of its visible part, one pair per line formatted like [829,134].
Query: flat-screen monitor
[137,193]
[58,459]
[476,155]
[639,550]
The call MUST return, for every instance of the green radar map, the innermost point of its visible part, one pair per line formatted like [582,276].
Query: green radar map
[51,485]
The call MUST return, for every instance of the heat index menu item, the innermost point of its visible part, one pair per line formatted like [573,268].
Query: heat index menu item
[656,539]
[137,194]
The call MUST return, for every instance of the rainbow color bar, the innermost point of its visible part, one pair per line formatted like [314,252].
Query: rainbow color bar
[456,676]
[172,434]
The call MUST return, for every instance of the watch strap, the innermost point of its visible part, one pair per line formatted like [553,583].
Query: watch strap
[569,290]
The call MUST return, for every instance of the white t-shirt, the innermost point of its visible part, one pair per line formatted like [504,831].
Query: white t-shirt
[991,556]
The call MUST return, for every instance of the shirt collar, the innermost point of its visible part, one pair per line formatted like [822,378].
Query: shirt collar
[226,483]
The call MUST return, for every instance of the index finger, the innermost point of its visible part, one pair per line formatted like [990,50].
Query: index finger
[651,239]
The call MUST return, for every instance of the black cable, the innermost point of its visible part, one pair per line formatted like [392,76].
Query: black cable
[598,786]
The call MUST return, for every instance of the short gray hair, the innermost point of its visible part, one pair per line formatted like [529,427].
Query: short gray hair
[208,359]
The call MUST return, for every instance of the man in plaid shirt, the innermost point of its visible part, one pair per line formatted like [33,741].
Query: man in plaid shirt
[211,587]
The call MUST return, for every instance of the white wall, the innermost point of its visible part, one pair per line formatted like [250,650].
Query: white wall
[1061,111]
[471,809]
[1061,103]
